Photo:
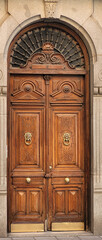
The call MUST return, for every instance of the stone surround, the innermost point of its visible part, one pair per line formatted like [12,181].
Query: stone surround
[85,17]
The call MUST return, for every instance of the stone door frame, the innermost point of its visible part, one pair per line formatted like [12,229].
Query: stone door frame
[95,171]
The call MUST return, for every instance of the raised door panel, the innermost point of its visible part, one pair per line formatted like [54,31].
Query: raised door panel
[75,201]
[68,202]
[20,202]
[28,204]
[59,207]
[27,89]
[66,89]
[67,138]
[35,202]
[28,135]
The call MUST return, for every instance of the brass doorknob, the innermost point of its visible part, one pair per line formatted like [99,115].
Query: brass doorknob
[67,180]
[28,180]
[50,167]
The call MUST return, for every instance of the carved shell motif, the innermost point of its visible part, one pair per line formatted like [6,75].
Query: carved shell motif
[33,41]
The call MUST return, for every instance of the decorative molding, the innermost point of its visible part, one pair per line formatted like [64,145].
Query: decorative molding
[100,75]
[3,105]
[3,142]
[1,74]
[98,190]
[50,7]
[3,90]
[97,130]
[3,184]
[47,56]
[67,87]
[97,91]
[26,90]
[47,79]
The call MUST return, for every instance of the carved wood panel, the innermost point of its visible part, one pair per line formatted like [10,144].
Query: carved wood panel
[20,202]
[68,202]
[68,123]
[27,204]
[35,202]
[70,89]
[27,89]
[24,152]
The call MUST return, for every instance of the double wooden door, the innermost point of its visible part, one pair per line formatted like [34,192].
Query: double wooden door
[47,157]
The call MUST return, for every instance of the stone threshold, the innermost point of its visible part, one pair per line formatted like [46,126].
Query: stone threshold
[50,233]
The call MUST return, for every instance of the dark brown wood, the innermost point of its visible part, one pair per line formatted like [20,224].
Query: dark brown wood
[48,102]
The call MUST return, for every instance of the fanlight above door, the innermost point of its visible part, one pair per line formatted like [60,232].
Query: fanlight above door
[32,42]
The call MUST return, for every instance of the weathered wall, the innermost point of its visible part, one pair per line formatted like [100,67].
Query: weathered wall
[86,18]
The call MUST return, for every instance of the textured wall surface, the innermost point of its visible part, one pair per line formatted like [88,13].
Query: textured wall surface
[86,18]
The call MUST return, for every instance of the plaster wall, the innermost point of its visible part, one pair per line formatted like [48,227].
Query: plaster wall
[86,18]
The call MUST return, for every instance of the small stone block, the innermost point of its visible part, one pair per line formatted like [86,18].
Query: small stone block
[100,90]
[95,90]
[4,90]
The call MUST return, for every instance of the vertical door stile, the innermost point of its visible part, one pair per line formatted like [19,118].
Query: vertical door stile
[46,78]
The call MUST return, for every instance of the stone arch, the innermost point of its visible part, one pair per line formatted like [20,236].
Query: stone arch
[63,19]
[33,41]
[30,40]
[69,42]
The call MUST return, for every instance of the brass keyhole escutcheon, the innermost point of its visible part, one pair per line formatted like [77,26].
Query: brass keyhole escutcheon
[66,139]
[28,180]
[28,138]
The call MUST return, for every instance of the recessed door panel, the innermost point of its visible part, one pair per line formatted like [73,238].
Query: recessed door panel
[67,141]
[68,203]
[27,204]
[35,202]
[20,202]
[70,89]
[27,89]
[27,133]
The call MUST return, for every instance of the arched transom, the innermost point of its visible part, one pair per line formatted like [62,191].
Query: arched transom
[32,42]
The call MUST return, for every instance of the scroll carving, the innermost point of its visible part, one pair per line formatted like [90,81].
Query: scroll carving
[47,56]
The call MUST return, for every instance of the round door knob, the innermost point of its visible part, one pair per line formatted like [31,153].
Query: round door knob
[28,180]
[67,180]
[50,167]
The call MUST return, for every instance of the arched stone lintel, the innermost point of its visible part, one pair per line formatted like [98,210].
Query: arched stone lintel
[84,36]
[17,30]
[72,24]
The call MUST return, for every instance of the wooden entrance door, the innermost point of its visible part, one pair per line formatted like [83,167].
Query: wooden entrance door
[47,153]
[48,132]
[66,181]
